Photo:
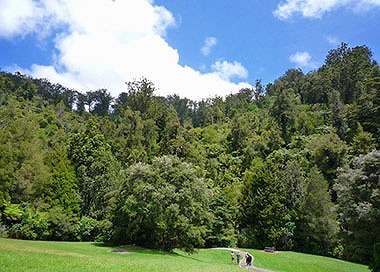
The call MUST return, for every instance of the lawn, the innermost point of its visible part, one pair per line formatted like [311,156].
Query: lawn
[286,261]
[17,256]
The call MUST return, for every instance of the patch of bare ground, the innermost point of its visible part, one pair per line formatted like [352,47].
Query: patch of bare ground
[121,251]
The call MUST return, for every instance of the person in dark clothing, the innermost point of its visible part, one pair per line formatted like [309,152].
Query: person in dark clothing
[248,259]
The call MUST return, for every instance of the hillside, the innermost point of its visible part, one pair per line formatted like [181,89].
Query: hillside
[294,164]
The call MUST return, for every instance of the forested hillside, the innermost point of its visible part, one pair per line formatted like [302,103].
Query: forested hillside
[294,164]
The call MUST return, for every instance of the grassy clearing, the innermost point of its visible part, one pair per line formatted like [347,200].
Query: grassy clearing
[287,261]
[17,256]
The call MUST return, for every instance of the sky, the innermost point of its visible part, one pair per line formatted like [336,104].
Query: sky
[194,48]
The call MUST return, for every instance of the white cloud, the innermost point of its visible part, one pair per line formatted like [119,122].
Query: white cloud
[302,60]
[228,70]
[333,40]
[18,17]
[209,43]
[365,5]
[317,8]
[103,43]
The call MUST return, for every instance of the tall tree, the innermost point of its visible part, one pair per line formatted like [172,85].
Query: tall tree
[317,227]
[162,205]
[284,110]
[96,169]
[263,212]
[357,188]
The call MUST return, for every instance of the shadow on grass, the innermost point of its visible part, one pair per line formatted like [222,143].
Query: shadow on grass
[142,250]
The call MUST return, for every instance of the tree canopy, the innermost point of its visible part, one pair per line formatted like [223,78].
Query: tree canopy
[294,164]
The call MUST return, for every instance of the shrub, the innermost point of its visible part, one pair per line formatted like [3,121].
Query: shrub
[32,226]
[87,229]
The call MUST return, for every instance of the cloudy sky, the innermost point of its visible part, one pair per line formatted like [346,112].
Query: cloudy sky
[194,48]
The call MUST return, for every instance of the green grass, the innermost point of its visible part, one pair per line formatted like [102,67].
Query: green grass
[286,261]
[18,255]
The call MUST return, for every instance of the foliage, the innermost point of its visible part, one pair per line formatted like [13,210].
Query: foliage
[61,225]
[317,227]
[163,205]
[32,225]
[263,166]
[375,264]
[87,228]
[96,168]
[222,230]
[357,189]
[263,210]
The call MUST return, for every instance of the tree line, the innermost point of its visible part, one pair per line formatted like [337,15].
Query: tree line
[294,164]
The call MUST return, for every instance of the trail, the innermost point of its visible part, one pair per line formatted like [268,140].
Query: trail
[242,261]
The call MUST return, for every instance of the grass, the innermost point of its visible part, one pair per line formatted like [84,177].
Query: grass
[18,255]
[286,261]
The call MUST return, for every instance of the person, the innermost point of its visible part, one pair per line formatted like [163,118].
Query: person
[238,257]
[232,257]
[248,259]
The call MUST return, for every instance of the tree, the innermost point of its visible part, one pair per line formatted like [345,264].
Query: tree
[240,102]
[182,107]
[222,229]
[23,171]
[201,115]
[357,188]
[345,67]
[126,136]
[317,227]
[263,212]
[140,94]
[362,142]
[96,169]
[62,191]
[338,113]
[328,153]
[162,205]
[293,178]
[284,110]
[99,102]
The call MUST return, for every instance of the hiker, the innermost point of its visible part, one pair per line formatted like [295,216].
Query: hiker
[248,259]
[238,257]
[232,257]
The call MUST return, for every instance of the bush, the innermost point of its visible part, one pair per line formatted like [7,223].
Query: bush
[62,227]
[105,231]
[87,229]
[32,226]
[12,212]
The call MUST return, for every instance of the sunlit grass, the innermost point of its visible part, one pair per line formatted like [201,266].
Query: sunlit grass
[17,255]
[20,256]
[286,261]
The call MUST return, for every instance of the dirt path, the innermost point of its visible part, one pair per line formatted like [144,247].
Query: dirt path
[242,261]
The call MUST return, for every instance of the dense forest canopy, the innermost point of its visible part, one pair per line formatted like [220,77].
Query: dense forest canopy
[294,164]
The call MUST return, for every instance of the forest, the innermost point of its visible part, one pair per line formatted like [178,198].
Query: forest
[293,165]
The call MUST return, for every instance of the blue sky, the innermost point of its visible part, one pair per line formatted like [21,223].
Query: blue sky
[197,49]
